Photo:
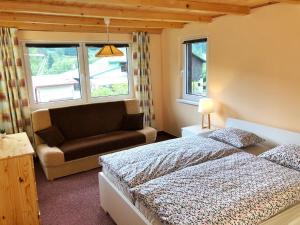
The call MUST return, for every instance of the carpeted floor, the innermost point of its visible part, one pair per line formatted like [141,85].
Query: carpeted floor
[73,200]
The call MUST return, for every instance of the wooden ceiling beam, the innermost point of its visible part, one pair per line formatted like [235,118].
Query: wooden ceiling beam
[289,1]
[75,28]
[84,21]
[119,13]
[174,4]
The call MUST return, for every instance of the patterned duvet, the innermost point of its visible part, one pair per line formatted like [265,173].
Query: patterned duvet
[141,164]
[238,189]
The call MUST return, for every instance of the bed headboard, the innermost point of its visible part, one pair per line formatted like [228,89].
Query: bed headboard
[271,134]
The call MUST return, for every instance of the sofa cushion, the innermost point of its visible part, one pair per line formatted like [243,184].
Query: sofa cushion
[88,120]
[51,136]
[75,149]
[133,121]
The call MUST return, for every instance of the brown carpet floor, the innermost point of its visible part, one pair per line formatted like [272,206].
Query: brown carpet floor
[74,200]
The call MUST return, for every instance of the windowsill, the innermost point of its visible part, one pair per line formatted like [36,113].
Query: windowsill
[188,102]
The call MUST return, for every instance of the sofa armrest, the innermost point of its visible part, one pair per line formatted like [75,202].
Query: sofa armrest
[50,156]
[150,134]
[40,120]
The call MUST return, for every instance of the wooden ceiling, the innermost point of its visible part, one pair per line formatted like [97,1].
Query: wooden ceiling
[126,15]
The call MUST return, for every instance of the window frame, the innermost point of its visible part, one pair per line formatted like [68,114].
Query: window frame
[83,74]
[185,95]
[91,99]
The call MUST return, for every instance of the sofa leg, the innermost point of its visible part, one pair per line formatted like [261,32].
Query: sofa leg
[50,178]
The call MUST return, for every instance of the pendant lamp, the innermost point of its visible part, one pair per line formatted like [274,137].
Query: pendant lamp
[108,50]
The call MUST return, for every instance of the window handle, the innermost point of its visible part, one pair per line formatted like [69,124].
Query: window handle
[181,73]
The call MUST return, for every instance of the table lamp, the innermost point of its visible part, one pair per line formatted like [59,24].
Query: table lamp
[206,106]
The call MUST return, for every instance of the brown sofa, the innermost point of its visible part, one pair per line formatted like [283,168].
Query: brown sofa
[90,130]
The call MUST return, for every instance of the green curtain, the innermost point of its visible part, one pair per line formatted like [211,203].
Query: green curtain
[14,104]
[141,75]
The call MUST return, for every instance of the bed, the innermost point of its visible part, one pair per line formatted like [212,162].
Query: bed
[135,212]
[239,189]
[136,166]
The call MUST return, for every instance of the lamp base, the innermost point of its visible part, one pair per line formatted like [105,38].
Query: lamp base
[203,121]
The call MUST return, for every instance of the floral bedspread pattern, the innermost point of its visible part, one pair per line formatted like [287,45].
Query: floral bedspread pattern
[238,189]
[141,164]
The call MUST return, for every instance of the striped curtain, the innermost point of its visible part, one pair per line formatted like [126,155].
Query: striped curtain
[14,105]
[141,78]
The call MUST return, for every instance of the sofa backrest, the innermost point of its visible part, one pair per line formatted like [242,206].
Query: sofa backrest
[88,120]
[84,120]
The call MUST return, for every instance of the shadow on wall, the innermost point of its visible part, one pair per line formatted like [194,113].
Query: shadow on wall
[219,89]
[223,112]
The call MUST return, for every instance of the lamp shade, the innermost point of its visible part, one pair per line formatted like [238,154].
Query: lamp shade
[206,106]
[109,51]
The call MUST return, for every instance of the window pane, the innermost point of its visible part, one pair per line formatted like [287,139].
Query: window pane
[108,75]
[55,73]
[196,68]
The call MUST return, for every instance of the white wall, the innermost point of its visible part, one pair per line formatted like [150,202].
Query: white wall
[253,68]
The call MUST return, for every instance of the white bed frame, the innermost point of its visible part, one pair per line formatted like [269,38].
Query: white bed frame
[123,212]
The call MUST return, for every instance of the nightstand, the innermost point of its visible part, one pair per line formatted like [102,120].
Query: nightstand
[196,130]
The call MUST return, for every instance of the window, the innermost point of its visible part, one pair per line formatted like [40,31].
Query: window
[195,74]
[66,74]
[54,72]
[108,76]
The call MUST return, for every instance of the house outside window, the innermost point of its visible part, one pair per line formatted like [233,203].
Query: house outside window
[195,69]
[69,74]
